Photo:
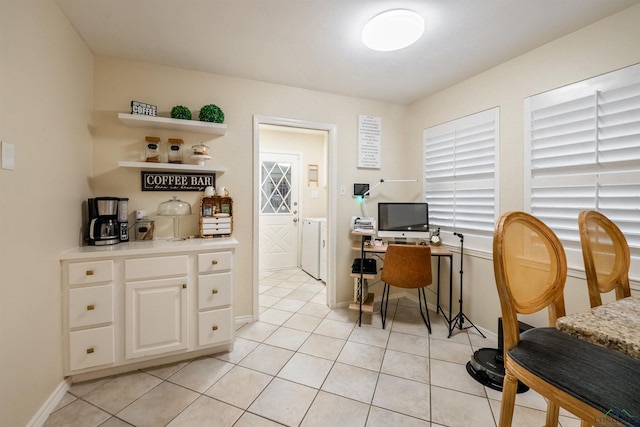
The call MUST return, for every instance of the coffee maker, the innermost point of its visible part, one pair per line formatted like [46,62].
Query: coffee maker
[103,221]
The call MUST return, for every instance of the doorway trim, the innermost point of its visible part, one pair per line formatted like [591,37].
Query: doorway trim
[331,129]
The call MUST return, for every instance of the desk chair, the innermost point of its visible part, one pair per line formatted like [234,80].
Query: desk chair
[588,380]
[408,267]
[606,256]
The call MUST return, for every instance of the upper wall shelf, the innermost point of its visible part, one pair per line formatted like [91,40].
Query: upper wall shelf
[172,167]
[172,124]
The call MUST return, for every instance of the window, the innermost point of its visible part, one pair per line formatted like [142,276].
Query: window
[460,174]
[583,152]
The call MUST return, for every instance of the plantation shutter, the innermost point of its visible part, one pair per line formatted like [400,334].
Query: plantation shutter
[460,173]
[583,152]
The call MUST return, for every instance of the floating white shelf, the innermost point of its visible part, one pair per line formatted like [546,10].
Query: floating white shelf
[173,167]
[172,124]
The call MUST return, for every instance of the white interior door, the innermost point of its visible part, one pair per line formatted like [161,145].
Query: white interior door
[279,210]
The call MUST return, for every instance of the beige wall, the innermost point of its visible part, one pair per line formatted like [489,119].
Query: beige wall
[608,45]
[45,100]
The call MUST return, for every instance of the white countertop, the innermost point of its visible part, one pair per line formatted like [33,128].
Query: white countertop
[148,247]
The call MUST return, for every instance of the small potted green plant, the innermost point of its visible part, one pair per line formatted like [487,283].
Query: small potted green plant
[180,112]
[211,113]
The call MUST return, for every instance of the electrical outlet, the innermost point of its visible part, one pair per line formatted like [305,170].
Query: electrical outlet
[8,156]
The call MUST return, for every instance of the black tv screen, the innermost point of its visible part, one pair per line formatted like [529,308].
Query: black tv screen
[409,219]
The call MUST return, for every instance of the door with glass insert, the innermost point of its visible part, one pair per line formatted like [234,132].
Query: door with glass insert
[279,210]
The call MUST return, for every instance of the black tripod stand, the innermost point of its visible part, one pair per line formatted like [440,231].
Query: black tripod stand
[459,318]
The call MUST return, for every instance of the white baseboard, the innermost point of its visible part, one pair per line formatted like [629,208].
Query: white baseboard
[45,410]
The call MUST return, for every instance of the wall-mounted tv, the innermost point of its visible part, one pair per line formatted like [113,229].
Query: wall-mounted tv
[403,220]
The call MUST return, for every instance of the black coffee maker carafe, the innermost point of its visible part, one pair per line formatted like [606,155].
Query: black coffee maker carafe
[103,221]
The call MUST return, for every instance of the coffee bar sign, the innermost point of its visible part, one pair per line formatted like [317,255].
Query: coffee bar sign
[177,181]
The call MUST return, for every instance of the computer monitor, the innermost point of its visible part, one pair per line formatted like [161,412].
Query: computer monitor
[403,220]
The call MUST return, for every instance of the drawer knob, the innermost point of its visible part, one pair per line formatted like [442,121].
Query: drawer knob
[214,262]
[214,291]
[214,328]
[91,307]
[89,272]
[90,350]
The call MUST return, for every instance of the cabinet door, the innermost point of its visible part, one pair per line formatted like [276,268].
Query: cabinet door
[156,317]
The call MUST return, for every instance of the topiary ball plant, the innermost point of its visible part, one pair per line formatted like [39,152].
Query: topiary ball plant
[211,113]
[180,112]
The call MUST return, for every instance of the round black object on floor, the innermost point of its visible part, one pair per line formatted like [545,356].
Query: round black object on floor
[486,367]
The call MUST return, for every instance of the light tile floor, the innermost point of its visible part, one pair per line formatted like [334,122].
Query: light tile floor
[304,364]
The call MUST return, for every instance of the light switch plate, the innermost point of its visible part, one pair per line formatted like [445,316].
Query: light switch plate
[8,156]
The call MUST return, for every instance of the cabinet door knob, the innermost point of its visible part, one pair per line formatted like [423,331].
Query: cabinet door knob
[214,262]
[214,328]
[90,350]
[184,286]
[89,272]
[214,291]
[91,307]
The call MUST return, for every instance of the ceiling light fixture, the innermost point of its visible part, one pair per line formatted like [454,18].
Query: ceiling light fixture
[393,30]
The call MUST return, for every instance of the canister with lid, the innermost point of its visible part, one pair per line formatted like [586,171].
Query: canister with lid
[152,149]
[175,150]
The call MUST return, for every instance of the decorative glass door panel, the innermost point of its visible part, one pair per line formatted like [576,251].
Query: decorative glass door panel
[276,187]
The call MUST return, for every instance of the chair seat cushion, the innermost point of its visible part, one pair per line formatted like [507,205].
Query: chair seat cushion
[603,378]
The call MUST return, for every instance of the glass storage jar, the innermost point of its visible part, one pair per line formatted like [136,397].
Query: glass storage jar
[152,149]
[175,150]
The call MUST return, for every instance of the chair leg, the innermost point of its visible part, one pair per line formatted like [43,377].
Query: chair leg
[553,412]
[423,297]
[509,389]
[384,308]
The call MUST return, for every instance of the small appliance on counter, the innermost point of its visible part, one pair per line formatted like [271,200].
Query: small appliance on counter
[104,228]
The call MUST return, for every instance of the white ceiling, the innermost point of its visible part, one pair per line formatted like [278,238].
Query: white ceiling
[315,44]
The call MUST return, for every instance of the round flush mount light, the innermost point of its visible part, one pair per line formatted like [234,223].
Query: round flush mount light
[393,30]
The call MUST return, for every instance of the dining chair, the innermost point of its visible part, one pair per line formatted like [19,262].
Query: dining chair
[606,256]
[408,267]
[586,379]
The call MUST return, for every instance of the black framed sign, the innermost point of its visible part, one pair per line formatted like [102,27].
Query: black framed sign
[177,181]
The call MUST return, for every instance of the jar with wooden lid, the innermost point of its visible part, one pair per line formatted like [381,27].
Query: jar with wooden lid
[152,149]
[175,150]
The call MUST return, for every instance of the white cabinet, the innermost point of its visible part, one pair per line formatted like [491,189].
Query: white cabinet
[134,305]
[155,317]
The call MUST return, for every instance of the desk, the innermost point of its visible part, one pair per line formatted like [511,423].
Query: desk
[436,251]
[615,325]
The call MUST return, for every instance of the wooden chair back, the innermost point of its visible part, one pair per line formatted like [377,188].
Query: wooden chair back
[606,256]
[530,269]
[407,266]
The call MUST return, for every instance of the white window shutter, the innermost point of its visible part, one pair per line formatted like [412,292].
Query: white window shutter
[583,153]
[460,173]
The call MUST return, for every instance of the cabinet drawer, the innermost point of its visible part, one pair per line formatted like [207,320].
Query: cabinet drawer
[147,268]
[214,290]
[90,306]
[214,326]
[214,261]
[91,347]
[82,273]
